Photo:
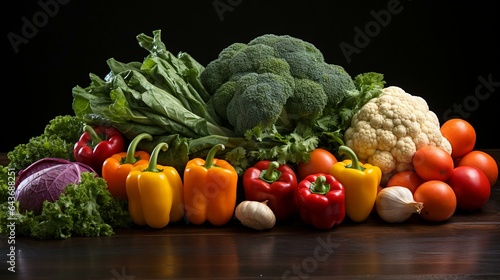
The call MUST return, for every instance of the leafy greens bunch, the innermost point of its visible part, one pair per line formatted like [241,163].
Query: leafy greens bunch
[56,141]
[273,98]
[83,209]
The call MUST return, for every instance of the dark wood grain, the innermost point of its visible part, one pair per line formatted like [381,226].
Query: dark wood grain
[465,247]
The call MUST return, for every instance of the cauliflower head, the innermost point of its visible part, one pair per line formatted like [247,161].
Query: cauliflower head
[389,129]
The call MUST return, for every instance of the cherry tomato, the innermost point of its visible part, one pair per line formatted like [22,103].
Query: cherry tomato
[440,202]
[320,162]
[433,163]
[471,187]
[461,135]
[483,161]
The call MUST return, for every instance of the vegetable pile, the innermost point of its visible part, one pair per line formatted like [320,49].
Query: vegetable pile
[266,133]
[273,98]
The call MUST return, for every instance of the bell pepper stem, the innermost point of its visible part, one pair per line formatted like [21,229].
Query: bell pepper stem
[352,155]
[130,158]
[153,161]
[320,186]
[209,161]
[93,135]
[271,174]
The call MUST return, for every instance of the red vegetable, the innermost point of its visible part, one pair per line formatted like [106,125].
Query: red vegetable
[471,187]
[98,144]
[320,161]
[321,200]
[268,180]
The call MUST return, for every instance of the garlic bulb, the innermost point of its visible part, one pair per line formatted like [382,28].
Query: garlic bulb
[255,214]
[396,204]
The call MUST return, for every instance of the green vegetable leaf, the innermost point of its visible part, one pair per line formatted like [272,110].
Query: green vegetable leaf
[83,209]
[38,147]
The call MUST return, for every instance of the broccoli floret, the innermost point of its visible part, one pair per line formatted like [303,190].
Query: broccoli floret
[221,98]
[304,59]
[336,82]
[256,59]
[258,101]
[300,77]
[301,106]
[217,72]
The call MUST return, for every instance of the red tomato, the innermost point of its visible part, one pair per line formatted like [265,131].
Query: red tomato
[433,163]
[320,162]
[439,200]
[461,135]
[483,161]
[408,179]
[471,187]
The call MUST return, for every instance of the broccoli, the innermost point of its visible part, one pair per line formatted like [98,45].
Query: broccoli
[218,72]
[258,101]
[302,104]
[273,81]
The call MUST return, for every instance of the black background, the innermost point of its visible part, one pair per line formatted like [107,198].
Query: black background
[434,49]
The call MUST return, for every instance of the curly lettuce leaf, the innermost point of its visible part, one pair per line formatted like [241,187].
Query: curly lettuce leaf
[83,209]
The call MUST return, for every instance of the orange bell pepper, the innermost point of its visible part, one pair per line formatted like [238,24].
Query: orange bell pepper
[116,168]
[210,189]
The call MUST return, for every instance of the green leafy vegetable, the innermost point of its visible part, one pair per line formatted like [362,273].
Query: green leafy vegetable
[83,209]
[67,127]
[162,91]
[57,141]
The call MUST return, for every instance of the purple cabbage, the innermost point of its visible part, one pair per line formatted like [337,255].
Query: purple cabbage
[46,179]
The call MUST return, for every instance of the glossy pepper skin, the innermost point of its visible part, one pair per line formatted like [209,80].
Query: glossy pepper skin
[97,144]
[268,180]
[210,189]
[321,200]
[360,181]
[116,168]
[154,193]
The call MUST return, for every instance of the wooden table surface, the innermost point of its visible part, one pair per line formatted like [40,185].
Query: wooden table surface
[465,247]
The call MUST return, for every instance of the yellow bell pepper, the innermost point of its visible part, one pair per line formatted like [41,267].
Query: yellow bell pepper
[360,181]
[154,192]
[210,189]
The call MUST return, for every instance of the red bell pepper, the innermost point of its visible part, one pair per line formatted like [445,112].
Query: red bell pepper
[268,180]
[321,200]
[97,144]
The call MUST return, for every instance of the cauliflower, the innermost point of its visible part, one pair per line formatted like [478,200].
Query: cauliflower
[389,129]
